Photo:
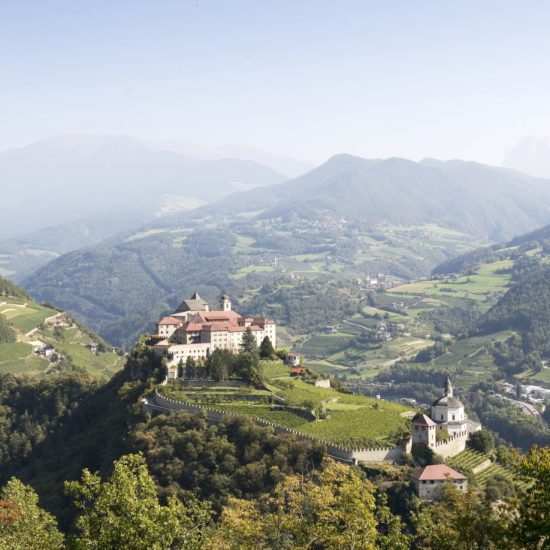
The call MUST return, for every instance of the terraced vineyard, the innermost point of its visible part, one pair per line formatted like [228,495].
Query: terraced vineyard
[351,420]
[467,459]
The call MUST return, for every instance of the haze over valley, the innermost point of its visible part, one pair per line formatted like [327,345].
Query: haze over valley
[274,275]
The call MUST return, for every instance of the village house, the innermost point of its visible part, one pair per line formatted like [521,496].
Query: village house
[194,330]
[292,359]
[47,350]
[297,371]
[429,481]
[92,347]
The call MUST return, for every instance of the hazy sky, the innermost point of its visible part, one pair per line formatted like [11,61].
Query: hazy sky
[448,79]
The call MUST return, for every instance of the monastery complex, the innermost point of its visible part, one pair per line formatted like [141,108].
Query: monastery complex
[194,330]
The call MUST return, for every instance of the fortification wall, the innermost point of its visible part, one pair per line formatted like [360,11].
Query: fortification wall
[452,446]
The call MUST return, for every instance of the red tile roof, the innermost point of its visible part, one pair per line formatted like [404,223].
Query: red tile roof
[169,321]
[437,472]
[423,420]
[211,316]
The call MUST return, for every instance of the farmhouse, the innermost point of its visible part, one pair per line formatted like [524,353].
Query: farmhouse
[297,371]
[46,350]
[194,330]
[428,481]
[292,359]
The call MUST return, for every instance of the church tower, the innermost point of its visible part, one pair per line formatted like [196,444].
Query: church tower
[225,303]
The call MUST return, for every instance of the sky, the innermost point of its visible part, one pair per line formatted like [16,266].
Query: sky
[303,78]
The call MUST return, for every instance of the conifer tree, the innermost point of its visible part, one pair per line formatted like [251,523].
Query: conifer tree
[249,342]
[266,348]
[190,368]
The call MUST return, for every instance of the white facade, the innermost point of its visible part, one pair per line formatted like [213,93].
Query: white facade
[197,333]
[448,412]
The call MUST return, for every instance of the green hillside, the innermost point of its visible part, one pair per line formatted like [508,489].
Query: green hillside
[26,328]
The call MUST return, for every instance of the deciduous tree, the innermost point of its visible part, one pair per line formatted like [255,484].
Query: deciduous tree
[23,524]
[124,512]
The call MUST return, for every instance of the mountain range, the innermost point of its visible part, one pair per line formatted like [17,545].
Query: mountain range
[345,219]
[67,192]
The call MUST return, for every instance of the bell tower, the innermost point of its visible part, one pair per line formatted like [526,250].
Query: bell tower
[225,303]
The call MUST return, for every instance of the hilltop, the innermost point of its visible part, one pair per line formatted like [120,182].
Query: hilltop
[41,340]
[346,219]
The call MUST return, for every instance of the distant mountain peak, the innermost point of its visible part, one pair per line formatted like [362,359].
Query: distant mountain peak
[531,155]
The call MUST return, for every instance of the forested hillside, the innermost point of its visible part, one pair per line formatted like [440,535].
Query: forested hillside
[349,218]
[525,308]
[519,249]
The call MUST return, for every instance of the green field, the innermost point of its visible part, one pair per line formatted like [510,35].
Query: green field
[26,318]
[17,357]
[474,287]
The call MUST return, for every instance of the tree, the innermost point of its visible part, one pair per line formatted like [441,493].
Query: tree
[247,367]
[482,441]
[219,364]
[190,368]
[23,524]
[266,348]
[391,529]
[181,369]
[249,342]
[332,509]
[461,521]
[124,512]
[531,526]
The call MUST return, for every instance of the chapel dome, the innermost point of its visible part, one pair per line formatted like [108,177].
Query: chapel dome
[448,401]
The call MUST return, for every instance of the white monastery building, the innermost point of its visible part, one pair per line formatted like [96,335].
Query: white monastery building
[193,330]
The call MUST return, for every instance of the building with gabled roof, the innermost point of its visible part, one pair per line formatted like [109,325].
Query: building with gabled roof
[198,332]
[429,481]
[192,305]
[423,430]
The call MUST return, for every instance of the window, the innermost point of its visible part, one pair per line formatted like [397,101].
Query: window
[441,417]
[432,481]
[423,482]
[453,416]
